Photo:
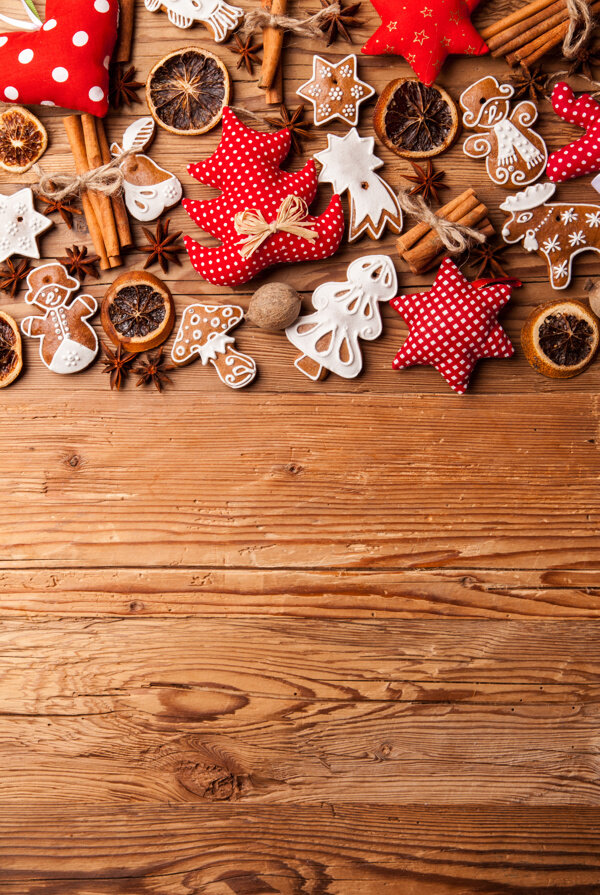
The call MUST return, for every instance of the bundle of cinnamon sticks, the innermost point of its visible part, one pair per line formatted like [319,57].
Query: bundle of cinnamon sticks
[529,33]
[271,77]
[106,216]
[421,247]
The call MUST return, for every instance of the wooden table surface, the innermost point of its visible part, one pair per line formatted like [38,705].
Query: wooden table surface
[314,639]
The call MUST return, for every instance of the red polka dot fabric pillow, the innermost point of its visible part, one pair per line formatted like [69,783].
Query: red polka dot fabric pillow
[65,62]
[582,156]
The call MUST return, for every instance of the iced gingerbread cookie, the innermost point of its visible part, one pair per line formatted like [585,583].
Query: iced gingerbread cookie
[582,156]
[515,155]
[349,164]
[335,90]
[557,231]
[344,313]
[149,189]
[220,18]
[20,225]
[68,344]
[203,332]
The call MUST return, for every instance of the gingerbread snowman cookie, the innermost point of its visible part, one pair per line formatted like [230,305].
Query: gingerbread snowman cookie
[515,154]
[203,332]
[68,344]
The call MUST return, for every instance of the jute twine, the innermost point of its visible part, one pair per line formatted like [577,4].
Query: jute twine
[257,19]
[291,218]
[455,237]
[107,179]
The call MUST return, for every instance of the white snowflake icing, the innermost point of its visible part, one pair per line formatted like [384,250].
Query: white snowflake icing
[324,109]
[336,93]
[345,71]
[568,216]
[348,110]
[552,244]
[315,90]
[326,71]
[577,238]
[593,219]
[560,270]
[356,91]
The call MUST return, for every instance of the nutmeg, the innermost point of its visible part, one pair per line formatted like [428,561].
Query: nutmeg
[594,297]
[274,306]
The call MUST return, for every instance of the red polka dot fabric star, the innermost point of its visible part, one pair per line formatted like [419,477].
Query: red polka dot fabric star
[245,167]
[582,156]
[454,325]
[65,62]
[425,32]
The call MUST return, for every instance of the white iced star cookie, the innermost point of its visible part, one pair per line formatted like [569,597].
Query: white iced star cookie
[349,163]
[335,90]
[20,225]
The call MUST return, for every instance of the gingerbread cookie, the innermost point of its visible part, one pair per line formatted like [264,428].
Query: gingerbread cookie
[220,18]
[515,155]
[203,333]
[68,344]
[335,90]
[557,231]
[349,164]
[149,189]
[20,225]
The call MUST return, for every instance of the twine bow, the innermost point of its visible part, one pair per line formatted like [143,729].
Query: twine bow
[291,218]
[107,179]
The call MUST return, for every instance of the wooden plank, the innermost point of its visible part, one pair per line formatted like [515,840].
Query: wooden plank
[334,851]
[194,592]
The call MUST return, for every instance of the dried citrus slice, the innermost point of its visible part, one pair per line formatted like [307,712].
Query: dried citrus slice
[560,339]
[138,311]
[23,140]
[188,90]
[11,350]
[415,120]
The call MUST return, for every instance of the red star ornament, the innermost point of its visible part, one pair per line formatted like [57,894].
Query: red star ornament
[425,32]
[454,325]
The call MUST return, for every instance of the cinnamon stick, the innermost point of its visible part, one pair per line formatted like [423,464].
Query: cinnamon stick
[118,202]
[520,15]
[274,93]
[468,199]
[272,44]
[422,256]
[74,131]
[122,51]
[520,34]
[104,205]
[535,49]
[486,227]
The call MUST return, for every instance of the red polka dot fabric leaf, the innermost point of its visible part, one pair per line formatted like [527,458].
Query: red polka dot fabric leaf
[582,156]
[245,166]
[425,32]
[454,325]
[66,62]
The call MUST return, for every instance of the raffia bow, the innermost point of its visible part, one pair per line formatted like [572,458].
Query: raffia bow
[291,218]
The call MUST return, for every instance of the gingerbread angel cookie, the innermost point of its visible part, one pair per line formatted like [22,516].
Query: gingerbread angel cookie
[68,343]
[515,155]
[149,189]
[349,164]
[203,333]
[335,90]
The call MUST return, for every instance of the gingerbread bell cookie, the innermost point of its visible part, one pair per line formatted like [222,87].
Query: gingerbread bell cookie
[515,154]
[203,332]
[558,231]
[68,343]
[335,90]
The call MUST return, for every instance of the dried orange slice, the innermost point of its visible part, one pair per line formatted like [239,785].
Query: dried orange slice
[188,90]
[11,350]
[560,339]
[138,311]
[415,120]
[23,140]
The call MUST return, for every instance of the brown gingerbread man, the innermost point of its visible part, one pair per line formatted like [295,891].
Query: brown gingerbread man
[68,343]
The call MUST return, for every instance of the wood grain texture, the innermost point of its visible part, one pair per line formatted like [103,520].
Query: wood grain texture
[307,639]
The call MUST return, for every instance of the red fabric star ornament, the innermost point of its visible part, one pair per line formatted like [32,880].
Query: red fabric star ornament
[425,32]
[454,325]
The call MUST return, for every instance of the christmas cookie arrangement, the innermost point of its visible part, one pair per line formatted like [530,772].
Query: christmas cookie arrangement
[265,198]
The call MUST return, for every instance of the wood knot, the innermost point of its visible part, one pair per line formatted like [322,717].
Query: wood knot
[294,468]
[136,606]
[74,461]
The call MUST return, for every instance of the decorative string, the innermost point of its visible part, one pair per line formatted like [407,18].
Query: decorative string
[580,18]
[257,19]
[107,179]
[455,237]
[291,218]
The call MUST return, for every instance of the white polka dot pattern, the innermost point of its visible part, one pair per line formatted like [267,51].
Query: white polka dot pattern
[582,156]
[246,167]
[453,325]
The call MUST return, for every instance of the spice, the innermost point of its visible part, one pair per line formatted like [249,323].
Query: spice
[485,258]
[529,82]
[63,208]
[248,53]
[162,246]
[123,86]
[428,181]
[80,264]
[294,122]
[117,365]
[338,24]
[12,276]
[153,371]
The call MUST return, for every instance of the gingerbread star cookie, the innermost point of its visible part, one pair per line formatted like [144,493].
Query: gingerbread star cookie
[20,225]
[335,90]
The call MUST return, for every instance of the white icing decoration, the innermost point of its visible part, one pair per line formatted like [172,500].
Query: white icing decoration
[20,225]
[203,333]
[221,17]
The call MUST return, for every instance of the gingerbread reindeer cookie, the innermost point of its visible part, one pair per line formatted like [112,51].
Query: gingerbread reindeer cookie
[68,343]
[203,333]
[515,155]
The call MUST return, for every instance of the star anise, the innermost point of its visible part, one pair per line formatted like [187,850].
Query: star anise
[80,264]
[428,182]
[584,61]
[294,123]
[124,88]
[161,246]
[485,258]
[530,82]
[154,370]
[61,206]
[116,365]
[12,276]
[336,24]
[248,53]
